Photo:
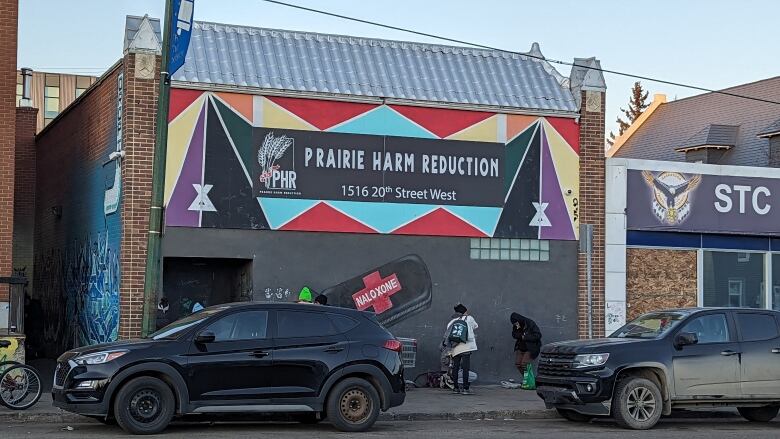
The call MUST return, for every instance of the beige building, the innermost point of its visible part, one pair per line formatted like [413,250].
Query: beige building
[52,92]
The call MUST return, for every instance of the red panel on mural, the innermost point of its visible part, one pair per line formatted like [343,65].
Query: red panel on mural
[180,100]
[442,122]
[323,218]
[569,130]
[439,223]
[322,114]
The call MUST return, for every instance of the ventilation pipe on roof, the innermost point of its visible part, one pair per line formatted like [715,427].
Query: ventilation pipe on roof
[26,100]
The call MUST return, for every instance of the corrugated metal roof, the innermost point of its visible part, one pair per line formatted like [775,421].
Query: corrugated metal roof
[345,65]
[673,123]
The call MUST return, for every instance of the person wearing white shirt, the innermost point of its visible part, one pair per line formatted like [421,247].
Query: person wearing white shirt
[461,352]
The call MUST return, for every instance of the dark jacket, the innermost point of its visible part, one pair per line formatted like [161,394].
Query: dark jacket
[528,336]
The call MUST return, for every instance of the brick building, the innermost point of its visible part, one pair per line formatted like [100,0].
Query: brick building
[691,216]
[461,173]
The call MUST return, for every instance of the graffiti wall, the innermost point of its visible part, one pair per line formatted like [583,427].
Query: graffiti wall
[78,224]
[12,348]
[255,162]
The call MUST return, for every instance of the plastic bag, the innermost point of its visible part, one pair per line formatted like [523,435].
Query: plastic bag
[529,379]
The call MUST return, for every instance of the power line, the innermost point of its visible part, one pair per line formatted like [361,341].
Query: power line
[550,60]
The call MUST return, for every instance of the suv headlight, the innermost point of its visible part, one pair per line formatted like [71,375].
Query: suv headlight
[590,360]
[98,357]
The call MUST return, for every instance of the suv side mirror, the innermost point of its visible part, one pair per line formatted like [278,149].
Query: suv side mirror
[685,339]
[205,337]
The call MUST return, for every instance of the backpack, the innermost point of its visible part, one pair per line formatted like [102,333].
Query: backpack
[459,331]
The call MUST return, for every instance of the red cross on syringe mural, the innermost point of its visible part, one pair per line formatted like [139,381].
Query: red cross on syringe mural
[377,292]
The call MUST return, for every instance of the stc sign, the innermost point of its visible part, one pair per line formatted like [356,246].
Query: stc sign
[671,200]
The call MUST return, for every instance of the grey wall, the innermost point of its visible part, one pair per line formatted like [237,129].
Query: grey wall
[544,291]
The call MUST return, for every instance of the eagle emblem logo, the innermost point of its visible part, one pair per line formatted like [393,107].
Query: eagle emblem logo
[671,195]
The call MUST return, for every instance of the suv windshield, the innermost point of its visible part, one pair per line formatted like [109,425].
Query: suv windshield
[175,329]
[651,325]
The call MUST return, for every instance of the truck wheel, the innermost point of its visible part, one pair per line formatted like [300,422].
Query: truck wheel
[144,405]
[571,415]
[353,405]
[758,414]
[637,403]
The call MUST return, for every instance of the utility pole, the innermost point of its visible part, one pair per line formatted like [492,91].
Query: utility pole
[153,276]
[586,246]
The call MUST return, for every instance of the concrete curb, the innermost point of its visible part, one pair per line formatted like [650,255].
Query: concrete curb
[22,417]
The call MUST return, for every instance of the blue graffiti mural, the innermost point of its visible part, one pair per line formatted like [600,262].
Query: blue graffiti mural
[77,276]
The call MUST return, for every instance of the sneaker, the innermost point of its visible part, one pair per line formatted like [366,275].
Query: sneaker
[456,391]
[466,392]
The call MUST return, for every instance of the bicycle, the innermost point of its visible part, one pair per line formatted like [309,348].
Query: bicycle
[20,385]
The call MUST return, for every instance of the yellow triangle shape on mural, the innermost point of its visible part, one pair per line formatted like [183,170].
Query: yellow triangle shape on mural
[275,116]
[179,135]
[567,166]
[485,131]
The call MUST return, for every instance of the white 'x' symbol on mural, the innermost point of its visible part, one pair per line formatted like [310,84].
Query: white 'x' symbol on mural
[540,219]
[202,203]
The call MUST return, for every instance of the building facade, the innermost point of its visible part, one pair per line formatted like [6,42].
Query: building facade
[691,210]
[397,177]
[52,93]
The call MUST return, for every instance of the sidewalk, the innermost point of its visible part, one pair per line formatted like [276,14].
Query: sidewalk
[488,402]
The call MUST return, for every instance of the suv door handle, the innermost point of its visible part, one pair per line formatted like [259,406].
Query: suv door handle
[776,351]
[259,354]
[334,349]
[728,353]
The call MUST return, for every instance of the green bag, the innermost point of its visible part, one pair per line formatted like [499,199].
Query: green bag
[529,380]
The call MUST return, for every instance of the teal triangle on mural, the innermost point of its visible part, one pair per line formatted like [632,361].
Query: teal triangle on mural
[481,217]
[515,151]
[240,132]
[279,211]
[383,217]
[383,121]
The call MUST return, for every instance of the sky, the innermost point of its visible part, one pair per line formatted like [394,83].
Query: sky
[708,43]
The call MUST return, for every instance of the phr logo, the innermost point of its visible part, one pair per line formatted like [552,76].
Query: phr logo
[272,174]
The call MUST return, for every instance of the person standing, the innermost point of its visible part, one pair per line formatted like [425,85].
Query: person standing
[461,334]
[528,341]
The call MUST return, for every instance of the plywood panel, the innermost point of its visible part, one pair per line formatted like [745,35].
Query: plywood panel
[658,279]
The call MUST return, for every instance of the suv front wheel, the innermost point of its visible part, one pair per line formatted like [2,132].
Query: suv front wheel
[637,403]
[759,414]
[144,405]
[353,405]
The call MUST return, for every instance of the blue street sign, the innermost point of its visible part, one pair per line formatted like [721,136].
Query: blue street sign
[180,31]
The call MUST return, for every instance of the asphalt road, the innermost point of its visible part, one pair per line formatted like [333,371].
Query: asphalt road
[553,428]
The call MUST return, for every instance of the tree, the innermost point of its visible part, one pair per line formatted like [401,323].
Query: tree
[636,106]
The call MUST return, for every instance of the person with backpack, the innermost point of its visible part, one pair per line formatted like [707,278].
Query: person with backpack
[461,336]
[528,341]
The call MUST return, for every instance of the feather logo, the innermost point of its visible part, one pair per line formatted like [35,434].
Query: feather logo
[671,195]
[272,149]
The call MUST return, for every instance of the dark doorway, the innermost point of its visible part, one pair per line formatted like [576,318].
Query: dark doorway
[189,283]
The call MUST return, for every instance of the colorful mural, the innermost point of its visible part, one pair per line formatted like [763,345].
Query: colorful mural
[15,349]
[216,141]
[77,272]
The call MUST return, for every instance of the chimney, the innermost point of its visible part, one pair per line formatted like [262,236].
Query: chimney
[26,100]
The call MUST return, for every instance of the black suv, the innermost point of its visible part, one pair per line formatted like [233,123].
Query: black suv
[686,358]
[308,360]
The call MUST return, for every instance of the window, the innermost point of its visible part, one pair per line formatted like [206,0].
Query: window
[51,98]
[504,249]
[709,329]
[776,282]
[755,327]
[246,325]
[82,84]
[19,87]
[293,324]
[733,279]
[342,323]
[651,325]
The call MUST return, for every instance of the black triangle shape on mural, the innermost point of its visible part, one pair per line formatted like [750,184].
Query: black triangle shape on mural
[519,209]
[236,207]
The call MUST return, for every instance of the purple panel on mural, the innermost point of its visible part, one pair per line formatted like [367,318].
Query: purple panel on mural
[177,213]
[551,193]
